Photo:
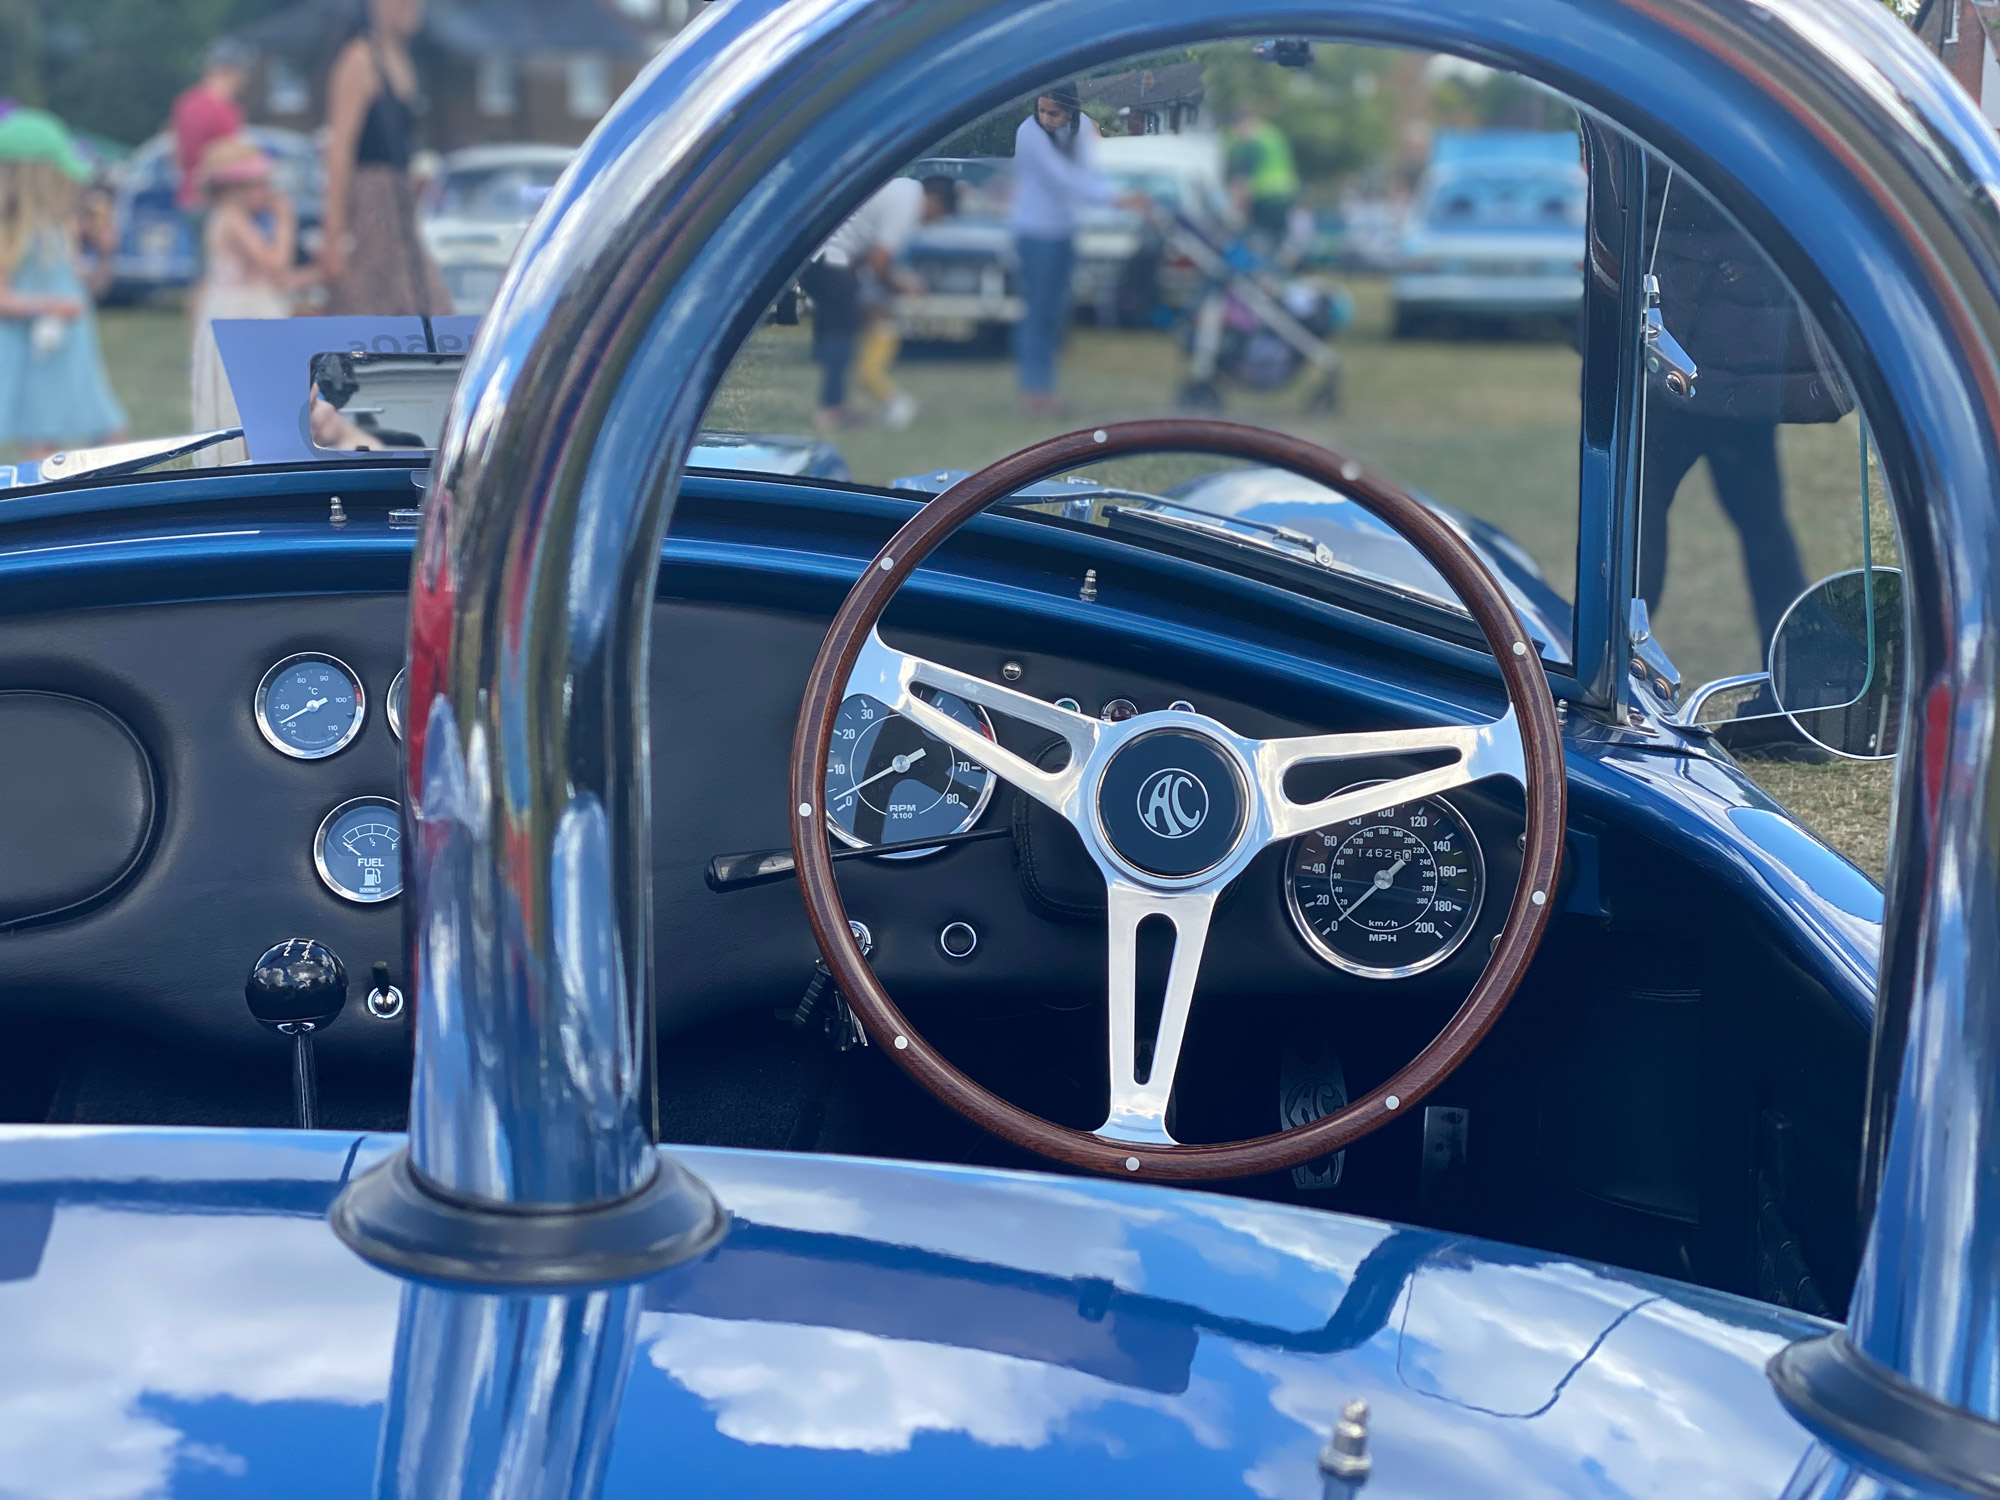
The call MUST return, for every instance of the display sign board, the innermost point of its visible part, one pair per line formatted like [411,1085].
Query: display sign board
[269,363]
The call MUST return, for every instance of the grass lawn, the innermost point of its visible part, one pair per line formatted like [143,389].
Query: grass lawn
[1489,427]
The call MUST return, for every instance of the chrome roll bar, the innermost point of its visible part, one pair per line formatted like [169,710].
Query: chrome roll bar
[1821,124]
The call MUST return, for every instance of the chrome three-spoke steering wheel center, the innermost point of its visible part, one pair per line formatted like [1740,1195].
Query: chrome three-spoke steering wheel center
[1172,807]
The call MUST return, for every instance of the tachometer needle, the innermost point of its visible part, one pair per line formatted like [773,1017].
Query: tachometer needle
[895,767]
[1382,881]
[310,706]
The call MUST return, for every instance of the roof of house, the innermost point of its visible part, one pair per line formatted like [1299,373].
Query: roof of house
[467,27]
[1146,88]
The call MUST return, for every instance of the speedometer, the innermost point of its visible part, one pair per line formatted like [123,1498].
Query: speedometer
[1389,893]
[889,781]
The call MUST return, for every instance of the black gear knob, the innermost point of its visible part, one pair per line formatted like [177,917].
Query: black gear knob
[298,984]
[298,988]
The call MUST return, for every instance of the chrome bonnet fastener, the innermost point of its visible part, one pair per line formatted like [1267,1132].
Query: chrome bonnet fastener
[1345,1463]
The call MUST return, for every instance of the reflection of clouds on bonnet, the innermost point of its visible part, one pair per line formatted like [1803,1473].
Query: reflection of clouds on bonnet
[797,1387]
[129,1308]
[1035,1226]
[1482,1347]
[1286,1267]
[1505,1339]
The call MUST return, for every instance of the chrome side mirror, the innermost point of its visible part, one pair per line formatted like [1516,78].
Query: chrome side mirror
[1837,670]
[1838,665]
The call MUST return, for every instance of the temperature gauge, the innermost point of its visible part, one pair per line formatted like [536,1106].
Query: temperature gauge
[358,850]
[310,706]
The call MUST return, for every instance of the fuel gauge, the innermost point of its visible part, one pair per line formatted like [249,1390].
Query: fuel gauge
[358,850]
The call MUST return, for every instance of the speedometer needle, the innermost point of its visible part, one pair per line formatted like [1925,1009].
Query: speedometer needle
[895,767]
[310,706]
[1382,881]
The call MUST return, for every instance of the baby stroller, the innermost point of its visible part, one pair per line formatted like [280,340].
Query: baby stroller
[1249,326]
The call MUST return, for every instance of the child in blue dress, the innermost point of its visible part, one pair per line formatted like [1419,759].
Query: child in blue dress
[53,389]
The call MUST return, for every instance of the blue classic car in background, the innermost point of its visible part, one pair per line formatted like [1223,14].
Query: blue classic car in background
[156,246]
[622,1175]
[1495,232]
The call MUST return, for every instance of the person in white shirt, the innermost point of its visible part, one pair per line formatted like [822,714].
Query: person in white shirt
[1055,173]
[860,255]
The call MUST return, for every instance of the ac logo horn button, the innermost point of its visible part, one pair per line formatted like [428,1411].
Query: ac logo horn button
[1172,803]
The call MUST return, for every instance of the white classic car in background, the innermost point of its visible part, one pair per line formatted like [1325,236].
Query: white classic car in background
[476,208]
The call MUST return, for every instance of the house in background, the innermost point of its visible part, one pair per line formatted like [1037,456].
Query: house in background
[493,70]
[1963,33]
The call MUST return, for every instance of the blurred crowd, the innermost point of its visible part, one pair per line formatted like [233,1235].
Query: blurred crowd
[58,237]
[856,277]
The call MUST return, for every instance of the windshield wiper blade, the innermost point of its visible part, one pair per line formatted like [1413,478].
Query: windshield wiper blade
[1255,536]
[121,458]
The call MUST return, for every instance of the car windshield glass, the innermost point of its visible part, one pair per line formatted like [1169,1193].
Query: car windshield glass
[1178,245]
[503,194]
[1759,481]
[1212,234]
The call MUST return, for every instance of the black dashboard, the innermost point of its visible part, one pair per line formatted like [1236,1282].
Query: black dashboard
[210,856]
[162,841]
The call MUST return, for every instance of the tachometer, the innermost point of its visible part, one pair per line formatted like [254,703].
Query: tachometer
[888,781]
[1390,893]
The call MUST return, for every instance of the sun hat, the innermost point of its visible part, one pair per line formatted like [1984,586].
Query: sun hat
[233,161]
[37,135]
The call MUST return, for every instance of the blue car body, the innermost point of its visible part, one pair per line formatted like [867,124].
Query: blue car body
[871,1328]
[180,1302]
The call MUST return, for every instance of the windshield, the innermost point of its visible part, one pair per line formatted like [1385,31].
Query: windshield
[1175,245]
[943,327]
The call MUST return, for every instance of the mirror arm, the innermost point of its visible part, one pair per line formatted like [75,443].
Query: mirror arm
[1698,699]
[1665,358]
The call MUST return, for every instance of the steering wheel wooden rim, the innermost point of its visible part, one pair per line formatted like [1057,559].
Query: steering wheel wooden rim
[1543,780]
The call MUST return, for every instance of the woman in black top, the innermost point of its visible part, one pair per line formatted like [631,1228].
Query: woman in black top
[372,252]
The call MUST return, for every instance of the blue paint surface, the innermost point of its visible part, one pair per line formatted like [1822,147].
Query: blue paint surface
[192,1328]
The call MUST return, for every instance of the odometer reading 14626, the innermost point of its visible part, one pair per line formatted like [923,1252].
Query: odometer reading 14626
[1390,893]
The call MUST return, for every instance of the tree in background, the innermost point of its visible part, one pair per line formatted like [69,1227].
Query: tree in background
[1336,113]
[1466,96]
[111,66]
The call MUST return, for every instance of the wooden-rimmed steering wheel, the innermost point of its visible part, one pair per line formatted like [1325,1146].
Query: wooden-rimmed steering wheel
[1238,785]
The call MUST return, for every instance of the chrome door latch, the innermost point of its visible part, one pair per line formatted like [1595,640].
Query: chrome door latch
[1665,357]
